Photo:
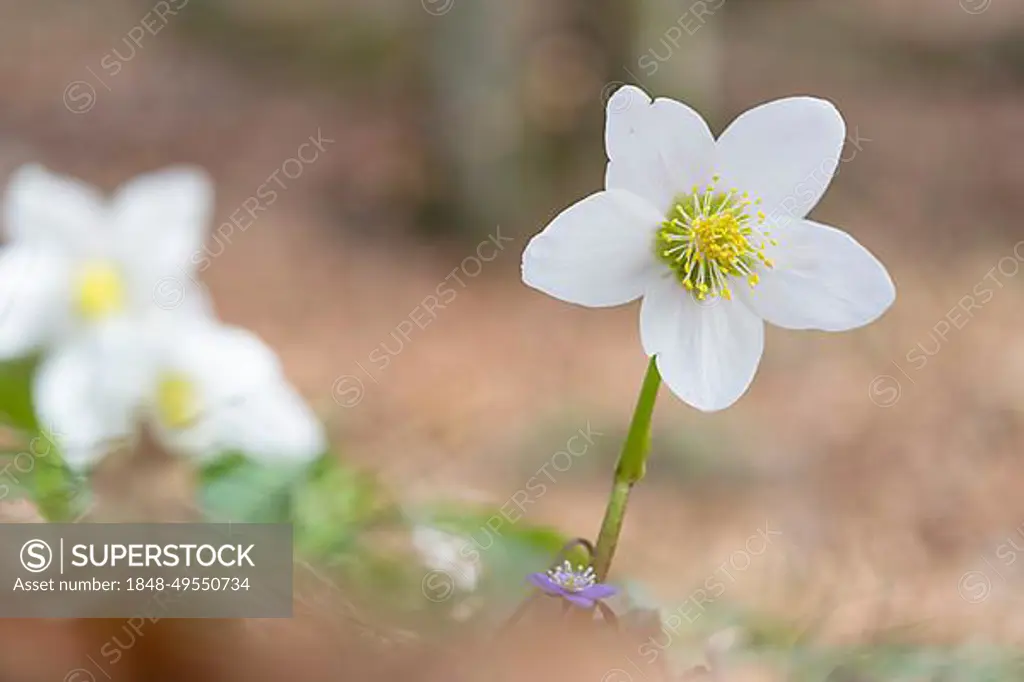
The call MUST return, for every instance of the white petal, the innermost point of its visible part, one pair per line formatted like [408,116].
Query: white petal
[656,150]
[823,279]
[437,548]
[785,153]
[598,252]
[442,551]
[229,361]
[273,423]
[33,299]
[432,543]
[42,207]
[88,391]
[624,115]
[246,404]
[707,353]
[160,221]
[175,298]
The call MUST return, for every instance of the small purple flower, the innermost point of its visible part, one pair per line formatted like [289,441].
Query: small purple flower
[578,585]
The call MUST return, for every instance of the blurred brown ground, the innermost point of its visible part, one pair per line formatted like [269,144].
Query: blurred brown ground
[881,509]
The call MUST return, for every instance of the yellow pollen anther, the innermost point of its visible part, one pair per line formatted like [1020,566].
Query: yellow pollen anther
[176,402]
[709,238]
[98,291]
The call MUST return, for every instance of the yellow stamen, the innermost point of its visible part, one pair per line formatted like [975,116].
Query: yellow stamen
[709,238]
[99,291]
[176,401]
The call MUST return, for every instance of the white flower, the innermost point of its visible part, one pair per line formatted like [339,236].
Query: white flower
[711,234]
[79,280]
[75,258]
[445,552]
[203,388]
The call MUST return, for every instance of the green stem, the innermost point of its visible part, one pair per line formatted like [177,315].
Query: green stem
[628,472]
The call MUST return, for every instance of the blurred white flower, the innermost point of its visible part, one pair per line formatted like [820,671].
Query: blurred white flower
[74,258]
[78,280]
[445,552]
[711,234]
[203,388]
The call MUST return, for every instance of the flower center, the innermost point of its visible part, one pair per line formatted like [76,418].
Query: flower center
[177,404]
[573,580]
[98,291]
[709,238]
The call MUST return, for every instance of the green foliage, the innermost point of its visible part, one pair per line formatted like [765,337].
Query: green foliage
[335,511]
[60,494]
[233,488]
[16,394]
[331,505]
[37,471]
[338,506]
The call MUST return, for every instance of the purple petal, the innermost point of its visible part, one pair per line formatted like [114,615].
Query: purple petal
[578,599]
[544,582]
[598,591]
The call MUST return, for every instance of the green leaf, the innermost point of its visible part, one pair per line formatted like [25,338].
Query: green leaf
[39,473]
[59,494]
[16,394]
[337,506]
[233,488]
